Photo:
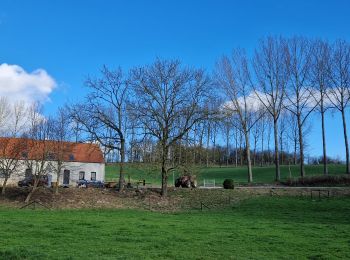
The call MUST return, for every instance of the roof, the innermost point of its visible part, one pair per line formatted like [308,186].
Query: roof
[24,148]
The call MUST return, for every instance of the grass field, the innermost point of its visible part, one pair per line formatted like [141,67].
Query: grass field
[239,174]
[259,228]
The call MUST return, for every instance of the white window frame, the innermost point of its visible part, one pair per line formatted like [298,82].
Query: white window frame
[83,173]
[93,174]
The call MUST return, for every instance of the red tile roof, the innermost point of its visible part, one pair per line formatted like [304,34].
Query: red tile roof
[68,151]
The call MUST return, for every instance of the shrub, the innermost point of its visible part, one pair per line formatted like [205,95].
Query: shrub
[229,184]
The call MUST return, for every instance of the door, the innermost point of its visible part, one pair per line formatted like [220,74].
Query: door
[49,180]
[66,177]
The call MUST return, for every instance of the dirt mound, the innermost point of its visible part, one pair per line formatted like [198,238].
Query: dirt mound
[178,199]
[76,198]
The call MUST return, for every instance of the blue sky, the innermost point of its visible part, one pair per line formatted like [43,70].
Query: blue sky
[72,39]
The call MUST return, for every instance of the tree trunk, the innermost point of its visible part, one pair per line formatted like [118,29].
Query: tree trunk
[122,161]
[249,163]
[164,191]
[254,154]
[180,152]
[301,147]
[295,151]
[57,179]
[208,139]
[57,182]
[3,190]
[268,144]
[214,148]
[201,146]
[281,144]
[325,168]
[186,149]
[30,194]
[277,161]
[236,150]
[227,148]
[240,148]
[346,141]
[262,149]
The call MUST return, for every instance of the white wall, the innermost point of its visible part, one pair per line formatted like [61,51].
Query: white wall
[73,167]
[76,167]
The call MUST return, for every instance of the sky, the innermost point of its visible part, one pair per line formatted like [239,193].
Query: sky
[47,48]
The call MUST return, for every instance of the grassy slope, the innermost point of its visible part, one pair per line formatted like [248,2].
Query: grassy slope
[262,227]
[239,174]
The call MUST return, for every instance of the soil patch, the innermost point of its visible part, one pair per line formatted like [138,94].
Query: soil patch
[179,199]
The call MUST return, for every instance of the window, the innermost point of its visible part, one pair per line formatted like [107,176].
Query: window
[2,173]
[66,177]
[24,155]
[50,156]
[81,175]
[93,176]
[71,157]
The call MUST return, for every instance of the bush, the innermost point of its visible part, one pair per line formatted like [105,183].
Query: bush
[229,184]
[321,180]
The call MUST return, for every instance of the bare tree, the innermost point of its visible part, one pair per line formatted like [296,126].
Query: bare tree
[256,134]
[59,134]
[5,110]
[10,158]
[104,114]
[214,136]
[200,141]
[232,74]
[226,131]
[36,153]
[282,138]
[293,135]
[338,93]
[262,125]
[321,68]
[272,75]
[19,116]
[299,92]
[76,128]
[168,104]
[13,118]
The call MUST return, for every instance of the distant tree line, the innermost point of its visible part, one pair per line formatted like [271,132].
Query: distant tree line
[252,110]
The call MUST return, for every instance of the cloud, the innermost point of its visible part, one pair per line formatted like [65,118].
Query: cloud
[252,101]
[16,84]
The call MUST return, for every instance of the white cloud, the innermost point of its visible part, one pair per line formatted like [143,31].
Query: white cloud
[16,84]
[252,101]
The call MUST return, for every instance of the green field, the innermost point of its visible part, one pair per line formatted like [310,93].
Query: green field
[260,174]
[259,228]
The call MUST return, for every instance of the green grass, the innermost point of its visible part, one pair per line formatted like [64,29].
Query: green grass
[264,174]
[136,172]
[260,228]
[239,174]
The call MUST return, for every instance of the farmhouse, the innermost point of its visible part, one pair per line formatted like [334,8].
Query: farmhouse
[74,161]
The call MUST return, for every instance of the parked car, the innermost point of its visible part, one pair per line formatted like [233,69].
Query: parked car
[87,184]
[29,181]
